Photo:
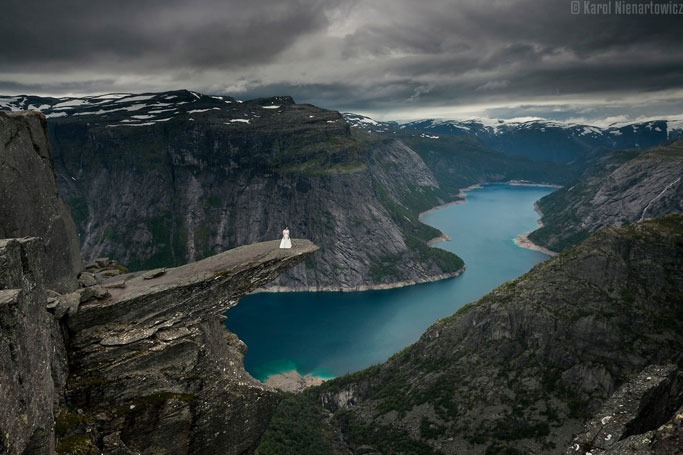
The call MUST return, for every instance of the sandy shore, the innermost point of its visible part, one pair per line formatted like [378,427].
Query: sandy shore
[293,381]
[523,241]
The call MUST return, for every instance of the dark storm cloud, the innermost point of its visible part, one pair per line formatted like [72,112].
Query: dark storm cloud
[372,56]
[530,48]
[200,34]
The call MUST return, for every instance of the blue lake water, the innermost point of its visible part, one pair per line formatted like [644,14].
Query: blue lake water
[329,334]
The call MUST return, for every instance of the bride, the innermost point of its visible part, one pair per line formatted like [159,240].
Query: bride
[285,242]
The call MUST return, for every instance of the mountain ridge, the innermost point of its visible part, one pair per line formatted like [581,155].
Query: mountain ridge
[522,369]
[537,139]
[620,188]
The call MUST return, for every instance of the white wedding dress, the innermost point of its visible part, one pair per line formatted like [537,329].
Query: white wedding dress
[285,242]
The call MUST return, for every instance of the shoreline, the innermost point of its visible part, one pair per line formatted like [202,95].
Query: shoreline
[364,287]
[441,238]
[527,183]
[522,240]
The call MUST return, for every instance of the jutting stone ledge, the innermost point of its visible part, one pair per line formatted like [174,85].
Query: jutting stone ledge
[155,347]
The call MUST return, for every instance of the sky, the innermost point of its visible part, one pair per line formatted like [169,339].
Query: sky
[583,61]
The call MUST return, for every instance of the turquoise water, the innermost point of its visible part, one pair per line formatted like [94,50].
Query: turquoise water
[332,333]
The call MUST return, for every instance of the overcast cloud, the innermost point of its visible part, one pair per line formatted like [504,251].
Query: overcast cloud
[388,58]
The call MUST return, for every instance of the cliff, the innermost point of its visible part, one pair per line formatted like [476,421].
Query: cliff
[153,369]
[28,191]
[157,180]
[137,363]
[33,356]
[623,187]
[522,369]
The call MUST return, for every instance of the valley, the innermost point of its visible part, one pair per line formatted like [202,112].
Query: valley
[163,179]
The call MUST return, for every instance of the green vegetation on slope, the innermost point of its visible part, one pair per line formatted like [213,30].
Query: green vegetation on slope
[618,189]
[520,370]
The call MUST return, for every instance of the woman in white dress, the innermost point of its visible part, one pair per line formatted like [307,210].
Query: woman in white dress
[285,242]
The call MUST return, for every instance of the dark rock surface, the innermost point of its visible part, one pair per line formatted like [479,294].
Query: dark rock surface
[643,416]
[153,368]
[30,203]
[522,369]
[33,367]
[621,188]
[32,355]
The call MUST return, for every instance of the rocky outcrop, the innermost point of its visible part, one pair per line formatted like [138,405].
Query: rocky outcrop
[30,203]
[621,188]
[126,363]
[644,416]
[521,370]
[153,369]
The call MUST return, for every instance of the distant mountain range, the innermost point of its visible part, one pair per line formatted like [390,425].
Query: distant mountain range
[535,139]
[159,179]
[135,110]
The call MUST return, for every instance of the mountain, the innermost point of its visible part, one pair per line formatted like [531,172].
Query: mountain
[592,335]
[537,139]
[160,179]
[620,188]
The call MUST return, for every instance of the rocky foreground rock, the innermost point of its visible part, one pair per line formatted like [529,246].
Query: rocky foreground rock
[154,369]
[125,363]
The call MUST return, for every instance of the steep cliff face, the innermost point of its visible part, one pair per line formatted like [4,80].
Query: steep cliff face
[161,179]
[621,188]
[30,203]
[32,356]
[644,415]
[33,367]
[523,368]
